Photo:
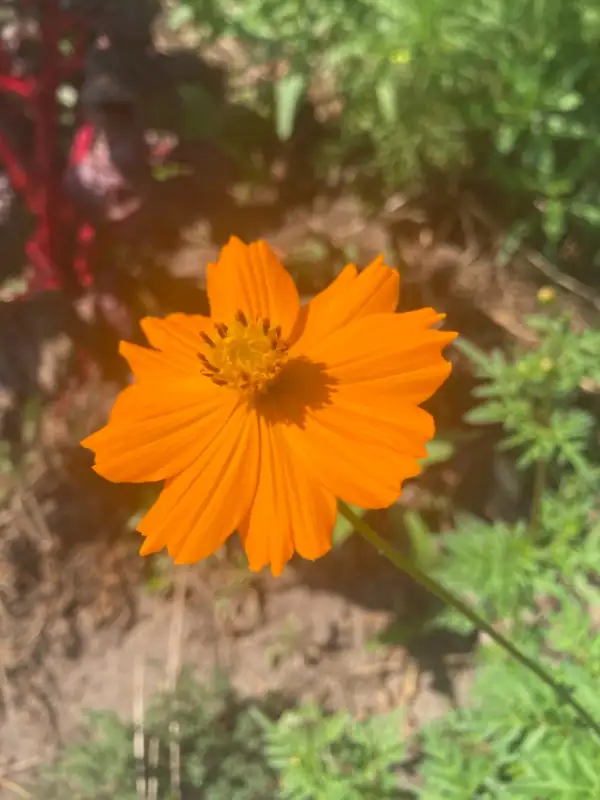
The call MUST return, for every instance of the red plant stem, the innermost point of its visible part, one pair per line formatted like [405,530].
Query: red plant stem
[46,148]
[86,237]
[70,64]
[17,174]
[46,275]
[41,184]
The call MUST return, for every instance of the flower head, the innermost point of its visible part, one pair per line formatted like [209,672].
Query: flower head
[260,416]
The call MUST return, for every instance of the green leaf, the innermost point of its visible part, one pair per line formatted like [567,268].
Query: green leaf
[586,212]
[554,219]
[506,138]
[479,357]
[387,98]
[570,101]
[289,91]
[438,450]
[425,553]
[180,16]
[169,170]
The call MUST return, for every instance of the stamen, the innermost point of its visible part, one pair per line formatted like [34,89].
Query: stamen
[206,363]
[246,354]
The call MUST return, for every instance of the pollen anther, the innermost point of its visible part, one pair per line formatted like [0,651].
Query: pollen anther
[245,355]
[206,363]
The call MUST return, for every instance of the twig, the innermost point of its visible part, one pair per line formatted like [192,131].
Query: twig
[176,630]
[13,787]
[173,667]
[19,766]
[35,519]
[139,748]
[153,758]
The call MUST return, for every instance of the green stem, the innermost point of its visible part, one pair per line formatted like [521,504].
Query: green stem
[405,565]
[539,487]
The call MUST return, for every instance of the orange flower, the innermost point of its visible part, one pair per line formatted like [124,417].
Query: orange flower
[260,416]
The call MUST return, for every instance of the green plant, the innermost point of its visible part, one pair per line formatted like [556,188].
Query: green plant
[550,419]
[506,89]
[218,740]
[536,579]
[335,757]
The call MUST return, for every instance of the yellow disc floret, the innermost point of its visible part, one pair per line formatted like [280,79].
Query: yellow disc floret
[244,355]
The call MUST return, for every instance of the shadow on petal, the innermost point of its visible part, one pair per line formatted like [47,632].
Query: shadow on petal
[302,386]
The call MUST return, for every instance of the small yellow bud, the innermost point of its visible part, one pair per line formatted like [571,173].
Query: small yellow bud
[401,57]
[546,365]
[546,295]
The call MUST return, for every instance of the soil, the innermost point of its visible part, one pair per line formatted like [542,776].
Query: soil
[86,625]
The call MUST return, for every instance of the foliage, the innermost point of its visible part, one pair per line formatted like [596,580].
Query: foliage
[549,418]
[508,88]
[220,751]
[536,579]
[335,757]
[231,750]
[516,741]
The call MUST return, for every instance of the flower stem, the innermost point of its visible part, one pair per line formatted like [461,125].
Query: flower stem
[404,564]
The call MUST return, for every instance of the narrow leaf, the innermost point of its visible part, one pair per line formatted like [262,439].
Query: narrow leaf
[288,94]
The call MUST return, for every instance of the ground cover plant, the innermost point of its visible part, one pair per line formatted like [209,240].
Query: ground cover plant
[500,92]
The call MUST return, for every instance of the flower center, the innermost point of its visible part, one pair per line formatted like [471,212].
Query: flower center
[244,355]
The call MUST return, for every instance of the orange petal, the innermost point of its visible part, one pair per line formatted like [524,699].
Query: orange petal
[381,346]
[149,364]
[291,511]
[411,387]
[199,509]
[352,295]
[252,279]
[156,429]
[177,335]
[363,449]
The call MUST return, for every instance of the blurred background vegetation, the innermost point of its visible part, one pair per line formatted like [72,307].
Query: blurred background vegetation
[460,139]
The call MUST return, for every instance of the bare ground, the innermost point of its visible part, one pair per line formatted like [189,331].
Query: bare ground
[84,628]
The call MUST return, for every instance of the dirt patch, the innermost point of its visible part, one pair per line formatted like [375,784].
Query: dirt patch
[311,644]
